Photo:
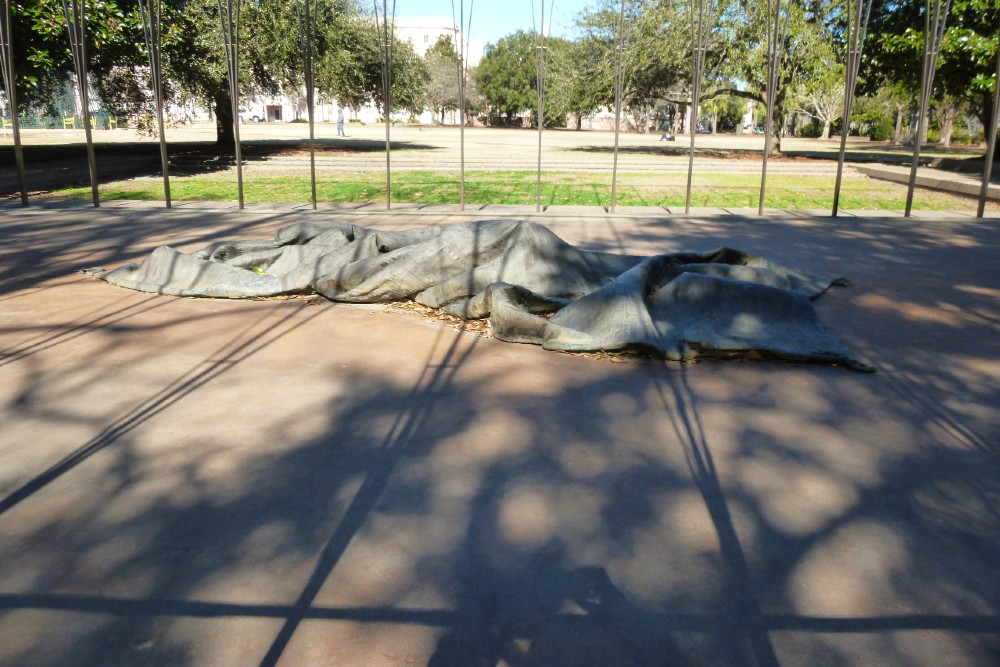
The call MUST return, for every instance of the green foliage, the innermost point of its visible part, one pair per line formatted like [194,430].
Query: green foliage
[347,59]
[726,111]
[443,71]
[812,47]
[874,118]
[507,76]
[966,64]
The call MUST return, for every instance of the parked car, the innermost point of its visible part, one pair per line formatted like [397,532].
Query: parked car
[247,116]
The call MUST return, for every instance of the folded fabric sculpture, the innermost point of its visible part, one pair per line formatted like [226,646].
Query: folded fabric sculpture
[533,286]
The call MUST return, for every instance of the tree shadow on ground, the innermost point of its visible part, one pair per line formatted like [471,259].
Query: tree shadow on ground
[643,513]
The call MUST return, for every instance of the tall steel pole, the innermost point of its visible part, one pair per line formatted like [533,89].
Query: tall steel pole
[541,107]
[461,104]
[385,48]
[76,24]
[699,39]
[231,38]
[10,87]
[857,28]
[991,141]
[933,34]
[776,43]
[307,18]
[619,84]
[151,21]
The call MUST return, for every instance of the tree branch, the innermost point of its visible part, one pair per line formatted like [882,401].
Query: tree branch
[735,93]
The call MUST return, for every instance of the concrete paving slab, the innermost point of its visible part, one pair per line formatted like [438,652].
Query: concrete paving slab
[935,179]
[294,482]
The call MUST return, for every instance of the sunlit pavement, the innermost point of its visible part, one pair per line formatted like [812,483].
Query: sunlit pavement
[295,482]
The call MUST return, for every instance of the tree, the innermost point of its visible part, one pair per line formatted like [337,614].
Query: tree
[350,70]
[443,69]
[42,60]
[811,44]
[882,115]
[967,60]
[821,95]
[725,110]
[347,58]
[657,60]
[946,111]
[507,76]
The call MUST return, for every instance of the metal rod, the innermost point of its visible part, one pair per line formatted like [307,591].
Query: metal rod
[541,107]
[991,142]
[933,34]
[776,40]
[151,23]
[619,77]
[541,100]
[10,87]
[231,38]
[306,31]
[76,24]
[856,42]
[461,105]
[698,47]
[385,49]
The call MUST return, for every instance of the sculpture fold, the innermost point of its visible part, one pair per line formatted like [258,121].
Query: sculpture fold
[533,286]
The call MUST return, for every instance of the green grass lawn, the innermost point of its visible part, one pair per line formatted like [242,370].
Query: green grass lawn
[519,187]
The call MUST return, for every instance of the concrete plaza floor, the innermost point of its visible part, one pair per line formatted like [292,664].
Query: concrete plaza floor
[296,482]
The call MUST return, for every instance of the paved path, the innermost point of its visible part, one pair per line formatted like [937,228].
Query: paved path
[294,482]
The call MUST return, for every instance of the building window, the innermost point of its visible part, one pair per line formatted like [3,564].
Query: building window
[427,39]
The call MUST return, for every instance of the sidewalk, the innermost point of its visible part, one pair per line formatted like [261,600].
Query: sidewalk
[936,179]
[295,482]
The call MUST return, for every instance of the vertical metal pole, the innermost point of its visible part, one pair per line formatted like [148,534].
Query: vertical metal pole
[619,77]
[541,106]
[306,30]
[231,38]
[461,106]
[933,34]
[698,39]
[76,24]
[855,46]
[151,21]
[385,49]
[991,141]
[10,87]
[776,42]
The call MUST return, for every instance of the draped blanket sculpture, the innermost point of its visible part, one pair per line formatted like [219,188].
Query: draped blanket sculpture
[533,286]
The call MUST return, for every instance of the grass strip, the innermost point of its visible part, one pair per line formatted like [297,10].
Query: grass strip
[787,191]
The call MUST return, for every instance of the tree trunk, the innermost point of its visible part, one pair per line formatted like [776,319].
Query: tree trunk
[224,135]
[946,129]
[679,118]
[897,137]
[776,117]
[826,129]
[715,123]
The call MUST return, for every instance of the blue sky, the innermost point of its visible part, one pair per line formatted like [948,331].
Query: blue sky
[492,19]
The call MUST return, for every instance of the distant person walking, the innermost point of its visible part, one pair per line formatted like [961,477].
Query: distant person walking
[340,123]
